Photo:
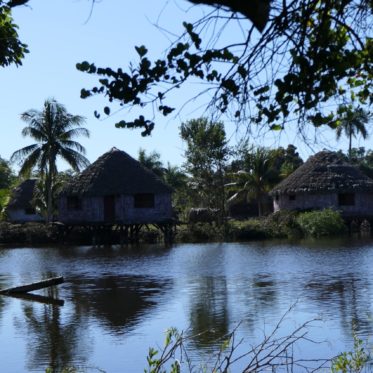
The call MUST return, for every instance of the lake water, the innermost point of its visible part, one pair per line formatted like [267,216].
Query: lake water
[119,301]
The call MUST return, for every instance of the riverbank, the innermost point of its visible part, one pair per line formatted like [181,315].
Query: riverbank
[284,224]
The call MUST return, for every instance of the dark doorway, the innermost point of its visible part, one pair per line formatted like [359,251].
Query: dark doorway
[109,208]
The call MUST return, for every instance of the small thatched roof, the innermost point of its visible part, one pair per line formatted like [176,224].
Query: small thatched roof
[22,195]
[324,172]
[115,172]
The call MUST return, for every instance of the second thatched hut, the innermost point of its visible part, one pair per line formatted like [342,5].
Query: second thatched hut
[326,181]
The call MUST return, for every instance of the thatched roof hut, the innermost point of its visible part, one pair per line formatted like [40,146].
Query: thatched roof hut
[325,180]
[325,171]
[116,187]
[115,172]
[20,207]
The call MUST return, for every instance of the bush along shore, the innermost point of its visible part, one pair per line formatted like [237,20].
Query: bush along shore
[283,224]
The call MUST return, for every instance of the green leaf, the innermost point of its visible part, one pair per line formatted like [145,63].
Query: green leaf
[142,50]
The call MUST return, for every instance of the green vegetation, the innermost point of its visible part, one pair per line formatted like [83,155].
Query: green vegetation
[12,50]
[353,361]
[310,57]
[352,124]
[321,223]
[282,224]
[54,130]
[206,157]
[275,353]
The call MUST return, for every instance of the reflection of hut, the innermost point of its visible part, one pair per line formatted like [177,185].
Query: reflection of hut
[20,208]
[326,180]
[116,189]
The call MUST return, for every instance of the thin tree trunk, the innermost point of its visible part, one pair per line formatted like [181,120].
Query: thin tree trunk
[260,210]
[49,184]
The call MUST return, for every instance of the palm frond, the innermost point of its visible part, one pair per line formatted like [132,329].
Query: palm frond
[30,162]
[74,145]
[75,132]
[20,154]
[34,133]
[76,160]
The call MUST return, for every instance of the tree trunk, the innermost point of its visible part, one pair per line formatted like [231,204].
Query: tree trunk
[48,187]
[260,209]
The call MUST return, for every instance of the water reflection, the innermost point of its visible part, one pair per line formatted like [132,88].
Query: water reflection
[118,302]
[209,317]
[55,338]
[347,298]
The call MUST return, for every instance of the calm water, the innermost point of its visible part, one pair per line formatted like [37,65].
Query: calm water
[119,301]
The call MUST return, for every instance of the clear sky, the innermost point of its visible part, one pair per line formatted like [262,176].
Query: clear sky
[59,35]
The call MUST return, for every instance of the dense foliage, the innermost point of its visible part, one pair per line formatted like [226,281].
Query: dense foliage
[6,174]
[206,156]
[12,50]
[321,223]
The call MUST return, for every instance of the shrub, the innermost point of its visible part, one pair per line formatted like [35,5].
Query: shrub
[327,222]
[282,224]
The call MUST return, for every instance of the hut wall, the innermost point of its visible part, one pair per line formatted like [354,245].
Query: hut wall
[92,210]
[303,201]
[128,213]
[363,203]
[19,215]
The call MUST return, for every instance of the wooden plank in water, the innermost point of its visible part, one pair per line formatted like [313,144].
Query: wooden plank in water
[34,286]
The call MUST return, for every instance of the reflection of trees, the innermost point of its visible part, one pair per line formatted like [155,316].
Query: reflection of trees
[209,310]
[347,295]
[53,340]
[258,296]
[211,307]
[3,285]
[119,302]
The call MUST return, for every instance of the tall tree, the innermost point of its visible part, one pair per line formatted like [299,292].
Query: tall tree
[177,179]
[54,130]
[309,56]
[352,124]
[206,156]
[256,180]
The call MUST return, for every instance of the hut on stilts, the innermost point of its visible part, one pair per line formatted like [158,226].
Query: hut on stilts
[117,193]
[326,180]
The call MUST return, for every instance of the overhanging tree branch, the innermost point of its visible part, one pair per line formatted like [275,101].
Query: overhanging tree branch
[310,57]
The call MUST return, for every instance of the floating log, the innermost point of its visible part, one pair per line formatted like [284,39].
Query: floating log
[34,286]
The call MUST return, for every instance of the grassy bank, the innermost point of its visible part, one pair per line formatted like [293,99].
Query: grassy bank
[284,224]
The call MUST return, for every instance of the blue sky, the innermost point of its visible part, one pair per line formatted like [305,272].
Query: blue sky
[58,37]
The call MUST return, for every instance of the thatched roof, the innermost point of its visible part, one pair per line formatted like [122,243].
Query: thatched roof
[324,172]
[115,172]
[22,195]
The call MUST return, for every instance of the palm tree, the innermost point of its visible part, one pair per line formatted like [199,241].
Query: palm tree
[353,124]
[257,181]
[53,129]
[151,161]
